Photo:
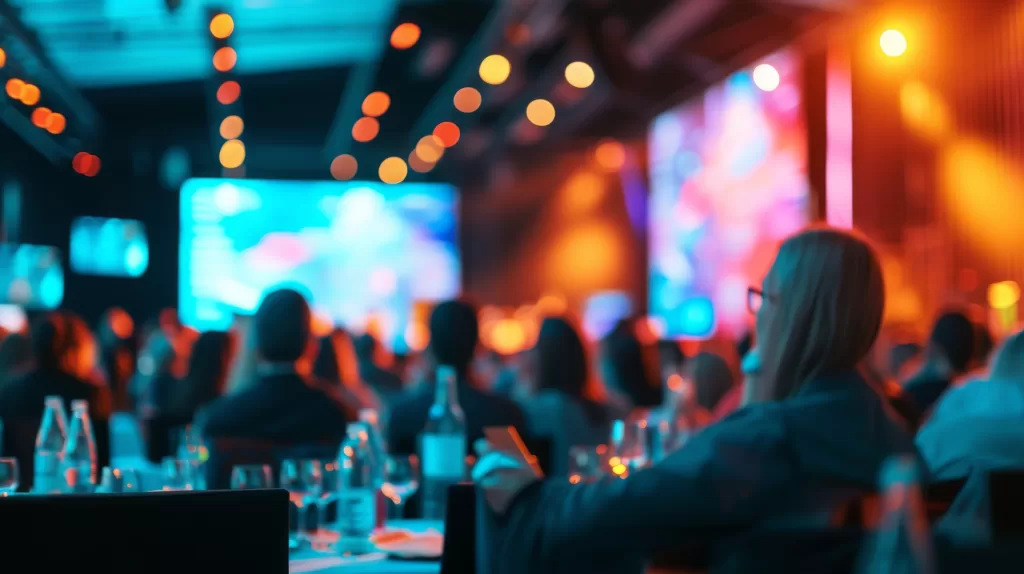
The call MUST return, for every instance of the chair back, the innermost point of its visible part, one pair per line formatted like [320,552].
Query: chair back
[460,531]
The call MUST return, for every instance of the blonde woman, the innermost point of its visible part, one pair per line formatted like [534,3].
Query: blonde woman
[980,425]
[815,436]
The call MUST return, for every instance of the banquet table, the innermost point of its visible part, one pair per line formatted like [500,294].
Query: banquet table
[310,561]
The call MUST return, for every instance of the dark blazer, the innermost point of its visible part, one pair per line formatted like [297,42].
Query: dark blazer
[790,463]
[280,407]
[409,416]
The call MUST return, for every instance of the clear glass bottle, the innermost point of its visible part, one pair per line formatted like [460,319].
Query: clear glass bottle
[50,447]
[371,420]
[357,489]
[902,544]
[443,445]
[79,458]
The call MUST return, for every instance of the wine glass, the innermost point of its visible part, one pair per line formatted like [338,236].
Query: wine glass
[118,480]
[178,474]
[328,492]
[401,480]
[303,479]
[251,477]
[8,476]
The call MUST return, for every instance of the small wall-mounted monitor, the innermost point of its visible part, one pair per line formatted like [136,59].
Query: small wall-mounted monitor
[111,247]
[31,276]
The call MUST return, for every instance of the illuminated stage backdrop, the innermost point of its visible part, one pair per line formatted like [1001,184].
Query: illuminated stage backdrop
[728,181]
[361,251]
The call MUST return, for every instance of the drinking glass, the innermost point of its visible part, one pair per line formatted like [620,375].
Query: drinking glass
[251,477]
[178,474]
[118,480]
[328,492]
[8,476]
[401,480]
[303,479]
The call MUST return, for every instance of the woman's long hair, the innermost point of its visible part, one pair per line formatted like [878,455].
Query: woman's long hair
[561,365]
[824,299]
[337,365]
[1008,363]
[630,367]
[208,370]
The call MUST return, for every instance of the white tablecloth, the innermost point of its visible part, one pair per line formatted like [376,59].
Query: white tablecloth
[315,562]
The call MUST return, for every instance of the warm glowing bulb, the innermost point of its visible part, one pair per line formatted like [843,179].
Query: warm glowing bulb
[448,133]
[540,112]
[15,87]
[221,26]
[228,92]
[344,167]
[467,100]
[376,104]
[393,170]
[766,77]
[225,59]
[405,36]
[430,148]
[231,127]
[893,43]
[30,95]
[365,129]
[56,123]
[579,75]
[1003,295]
[610,155]
[495,69]
[232,154]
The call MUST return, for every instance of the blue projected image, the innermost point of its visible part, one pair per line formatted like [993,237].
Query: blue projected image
[115,247]
[31,276]
[363,252]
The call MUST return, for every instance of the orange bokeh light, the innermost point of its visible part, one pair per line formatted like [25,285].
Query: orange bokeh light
[467,100]
[14,88]
[344,167]
[3,58]
[222,25]
[375,104]
[231,127]
[365,129]
[232,154]
[610,155]
[448,133]
[56,124]
[229,92]
[405,36]
[225,59]
[86,164]
[393,170]
[30,95]
[41,117]
[418,164]
[430,149]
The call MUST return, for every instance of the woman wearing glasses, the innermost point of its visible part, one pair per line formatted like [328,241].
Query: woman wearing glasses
[813,438]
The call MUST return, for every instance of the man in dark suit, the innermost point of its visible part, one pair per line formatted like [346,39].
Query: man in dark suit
[454,334]
[284,403]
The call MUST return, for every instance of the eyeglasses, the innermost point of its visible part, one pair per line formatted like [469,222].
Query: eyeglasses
[755,298]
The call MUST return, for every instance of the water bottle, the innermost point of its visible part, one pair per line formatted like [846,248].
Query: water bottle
[903,543]
[370,418]
[443,445]
[50,446]
[357,489]
[79,458]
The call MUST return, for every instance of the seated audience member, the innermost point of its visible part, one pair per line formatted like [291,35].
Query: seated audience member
[285,403]
[116,333]
[336,365]
[386,384]
[816,436]
[629,372]
[65,353]
[157,375]
[207,376]
[454,335]
[947,357]
[980,425]
[712,379]
[15,357]
[559,408]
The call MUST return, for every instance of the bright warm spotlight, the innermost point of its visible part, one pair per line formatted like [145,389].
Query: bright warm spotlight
[15,87]
[232,154]
[30,95]
[231,127]
[448,133]
[225,59]
[375,104]
[430,149]
[228,92]
[579,75]
[540,112]
[766,77]
[365,129]
[495,69]
[893,43]
[467,100]
[1003,295]
[393,170]
[56,123]
[221,26]
[344,167]
[405,36]
[41,117]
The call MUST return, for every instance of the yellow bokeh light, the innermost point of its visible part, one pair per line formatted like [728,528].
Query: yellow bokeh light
[1003,295]
[924,111]
[766,77]
[430,148]
[579,75]
[375,104]
[221,26]
[467,100]
[232,154]
[495,69]
[540,112]
[893,43]
[344,167]
[393,170]
[231,127]
[508,337]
